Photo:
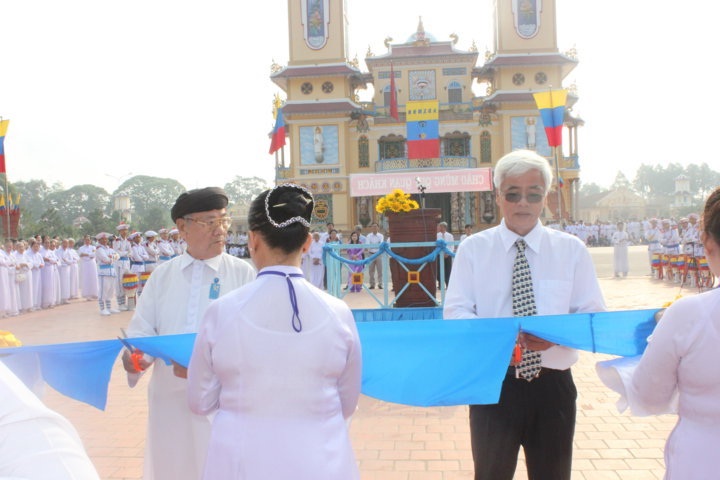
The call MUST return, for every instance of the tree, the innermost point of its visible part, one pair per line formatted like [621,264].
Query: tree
[644,180]
[703,180]
[147,194]
[79,201]
[34,194]
[620,181]
[242,190]
[51,223]
[589,189]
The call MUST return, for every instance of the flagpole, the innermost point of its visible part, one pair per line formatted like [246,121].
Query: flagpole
[557,167]
[7,208]
[557,183]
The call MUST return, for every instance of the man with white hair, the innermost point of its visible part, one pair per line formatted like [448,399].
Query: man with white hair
[535,270]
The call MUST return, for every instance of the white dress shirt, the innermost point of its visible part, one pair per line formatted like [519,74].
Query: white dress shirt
[563,274]
[374,238]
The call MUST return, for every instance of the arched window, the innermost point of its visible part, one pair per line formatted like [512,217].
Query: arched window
[485,147]
[454,90]
[392,146]
[363,152]
[456,144]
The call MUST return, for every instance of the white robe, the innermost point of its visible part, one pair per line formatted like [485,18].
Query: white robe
[282,397]
[38,265]
[50,280]
[37,442]
[681,359]
[25,294]
[317,268]
[13,299]
[72,258]
[64,271]
[88,272]
[5,290]
[620,241]
[174,300]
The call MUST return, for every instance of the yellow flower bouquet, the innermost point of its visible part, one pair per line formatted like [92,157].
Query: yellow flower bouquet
[396,201]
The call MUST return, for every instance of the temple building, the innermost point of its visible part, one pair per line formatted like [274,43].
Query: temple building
[424,130]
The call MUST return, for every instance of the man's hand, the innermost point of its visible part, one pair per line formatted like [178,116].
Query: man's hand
[128,363]
[531,342]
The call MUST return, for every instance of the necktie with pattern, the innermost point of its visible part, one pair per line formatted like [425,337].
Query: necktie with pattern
[523,299]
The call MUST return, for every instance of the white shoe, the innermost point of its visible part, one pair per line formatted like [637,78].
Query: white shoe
[124,308]
[114,310]
[105,312]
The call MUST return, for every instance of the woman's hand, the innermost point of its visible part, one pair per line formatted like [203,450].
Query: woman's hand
[179,371]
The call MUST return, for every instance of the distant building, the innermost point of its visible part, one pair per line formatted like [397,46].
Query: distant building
[445,138]
[618,204]
[682,196]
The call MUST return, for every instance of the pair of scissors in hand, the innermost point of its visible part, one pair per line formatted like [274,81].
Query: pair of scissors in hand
[135,354]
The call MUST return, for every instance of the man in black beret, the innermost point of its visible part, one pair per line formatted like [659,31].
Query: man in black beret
[173,302]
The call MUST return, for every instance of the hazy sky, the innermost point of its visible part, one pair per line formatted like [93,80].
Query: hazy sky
[98,91]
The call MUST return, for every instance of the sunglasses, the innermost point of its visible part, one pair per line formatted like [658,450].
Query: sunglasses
[515,197]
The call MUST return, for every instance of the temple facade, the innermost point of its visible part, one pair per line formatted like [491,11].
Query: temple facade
[423,130]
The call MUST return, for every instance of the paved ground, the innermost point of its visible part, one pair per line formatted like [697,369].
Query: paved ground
[392,442]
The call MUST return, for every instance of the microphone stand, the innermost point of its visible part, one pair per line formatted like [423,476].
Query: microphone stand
[421,189]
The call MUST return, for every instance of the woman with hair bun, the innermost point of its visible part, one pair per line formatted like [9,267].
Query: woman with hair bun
[278,360]
[681,359]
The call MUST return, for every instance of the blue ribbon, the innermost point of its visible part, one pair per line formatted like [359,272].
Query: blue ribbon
[410,356]
[440,248]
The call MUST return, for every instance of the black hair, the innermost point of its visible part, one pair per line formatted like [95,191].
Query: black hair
[282,216]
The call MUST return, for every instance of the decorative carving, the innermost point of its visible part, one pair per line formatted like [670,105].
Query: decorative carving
[454,38]
[275,67]
[420,39]
[355,62]
[387,42]
[572,53]
[369,52]
[473,47]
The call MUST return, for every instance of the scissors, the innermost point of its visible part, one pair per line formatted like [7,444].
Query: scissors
[135,354]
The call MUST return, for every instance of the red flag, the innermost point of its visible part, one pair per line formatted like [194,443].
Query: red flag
[278,136]
[3,130]
[393,95]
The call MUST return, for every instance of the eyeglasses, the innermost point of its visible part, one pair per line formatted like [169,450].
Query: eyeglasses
[223,222]
[515,197]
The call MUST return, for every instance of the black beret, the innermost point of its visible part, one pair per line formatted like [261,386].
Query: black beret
[199,200]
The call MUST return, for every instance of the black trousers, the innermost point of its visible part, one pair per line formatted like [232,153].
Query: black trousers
[537,415]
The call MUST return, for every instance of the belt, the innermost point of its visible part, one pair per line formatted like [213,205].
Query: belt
[137,263]
[543,371]
[125,259]
[675,245]
[149,263]
[106,266]
[164,257]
